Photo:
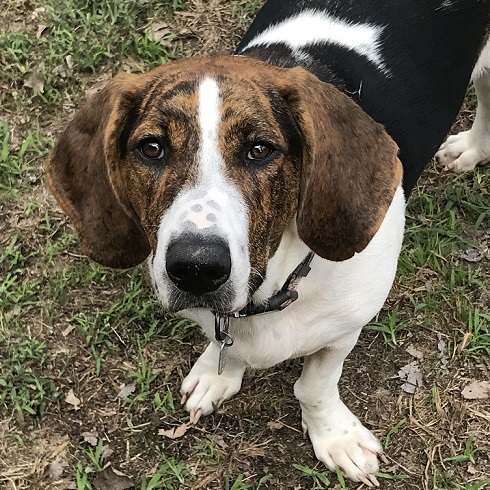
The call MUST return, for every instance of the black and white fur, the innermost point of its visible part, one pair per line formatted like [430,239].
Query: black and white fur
[408,65]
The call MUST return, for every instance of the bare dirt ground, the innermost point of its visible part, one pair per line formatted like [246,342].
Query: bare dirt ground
[436,438]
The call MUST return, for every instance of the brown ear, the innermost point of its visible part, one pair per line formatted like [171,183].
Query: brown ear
[350,168]
[78,176]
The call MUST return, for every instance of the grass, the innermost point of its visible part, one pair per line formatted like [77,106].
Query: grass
[77,39]
[67,323]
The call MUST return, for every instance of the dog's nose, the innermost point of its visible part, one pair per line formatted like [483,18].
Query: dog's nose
[198,264]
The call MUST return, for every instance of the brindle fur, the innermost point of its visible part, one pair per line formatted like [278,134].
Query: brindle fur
[335,167]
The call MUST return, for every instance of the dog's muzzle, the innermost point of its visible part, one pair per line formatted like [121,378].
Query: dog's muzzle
[198,264]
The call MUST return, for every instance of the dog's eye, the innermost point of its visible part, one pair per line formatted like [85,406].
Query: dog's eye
[260,151]
[150,150]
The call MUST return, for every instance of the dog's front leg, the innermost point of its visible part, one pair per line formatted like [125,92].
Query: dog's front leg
[203,389]
[337,435]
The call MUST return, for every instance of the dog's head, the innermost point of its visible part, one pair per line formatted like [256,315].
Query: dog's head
[201,165]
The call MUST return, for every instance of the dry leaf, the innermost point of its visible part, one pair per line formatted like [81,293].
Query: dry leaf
[415,352]
[68,330]
[275,425]
[56,469]
[477,390]
[90,437]
[108,479]
[37,12]
[69,61]
[158,30]
[34,81]
[412,376]
[106,452]
[125,391]
[72,400]
[472,255]
[174,433]
[40,29]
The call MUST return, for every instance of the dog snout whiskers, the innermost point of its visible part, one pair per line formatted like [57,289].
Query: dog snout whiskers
[198,264]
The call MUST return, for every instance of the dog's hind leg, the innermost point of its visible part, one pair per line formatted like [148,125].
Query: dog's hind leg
[203,389]
[466,150]
[337,435]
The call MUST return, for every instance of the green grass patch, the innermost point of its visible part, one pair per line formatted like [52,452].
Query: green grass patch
[24,386]
[18,168]
[79,38]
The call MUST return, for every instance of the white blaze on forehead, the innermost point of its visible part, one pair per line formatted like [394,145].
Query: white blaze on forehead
[211,161]
[312,27]
[213,206]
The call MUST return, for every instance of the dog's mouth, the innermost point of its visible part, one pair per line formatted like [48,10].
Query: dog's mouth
[221,300]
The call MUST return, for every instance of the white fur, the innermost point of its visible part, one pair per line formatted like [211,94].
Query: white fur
[313,27]
[213,194]
[211,163]
[467,149]
[336,298]
[335,301]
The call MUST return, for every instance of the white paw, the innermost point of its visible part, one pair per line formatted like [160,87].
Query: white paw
[339,439]
[462,152]
[203,389]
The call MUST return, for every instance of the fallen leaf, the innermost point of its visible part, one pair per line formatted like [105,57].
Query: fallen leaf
[69,61]
[477,390]
[56,469]
[219,441]
[68,330]
[412,376]
[441,345]
[90,437]
[126,390]
[40,29]
[108,479]
[158,30]
[34,81]
[37,12]
[106,453]
[174,432]
[275,425]
[415,352]
[472,255]
[72,400]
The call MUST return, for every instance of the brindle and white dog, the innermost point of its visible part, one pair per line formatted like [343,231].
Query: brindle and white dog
[227,171]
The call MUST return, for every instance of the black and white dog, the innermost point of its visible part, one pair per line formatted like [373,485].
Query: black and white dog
[406,64]
[226,172]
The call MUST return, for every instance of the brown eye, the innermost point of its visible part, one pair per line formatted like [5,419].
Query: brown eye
[260,151]
[151,150]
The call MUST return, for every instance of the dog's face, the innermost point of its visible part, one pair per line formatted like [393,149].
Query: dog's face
[201,165]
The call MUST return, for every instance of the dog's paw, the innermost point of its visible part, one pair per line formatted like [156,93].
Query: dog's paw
[203,389]
[463,151]
[340,440]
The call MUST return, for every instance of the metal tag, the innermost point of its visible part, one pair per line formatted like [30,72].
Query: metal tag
[223,350]
[222,357]
[224,338]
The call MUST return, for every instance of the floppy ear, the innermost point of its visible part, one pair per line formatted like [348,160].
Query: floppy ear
[350,169]
[79,176]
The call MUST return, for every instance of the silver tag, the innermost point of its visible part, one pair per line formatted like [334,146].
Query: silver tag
[223,349]
[222,357]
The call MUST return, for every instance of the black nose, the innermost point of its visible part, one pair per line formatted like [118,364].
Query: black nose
[197,264]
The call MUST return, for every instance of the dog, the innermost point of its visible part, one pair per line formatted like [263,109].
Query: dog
[267,189]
